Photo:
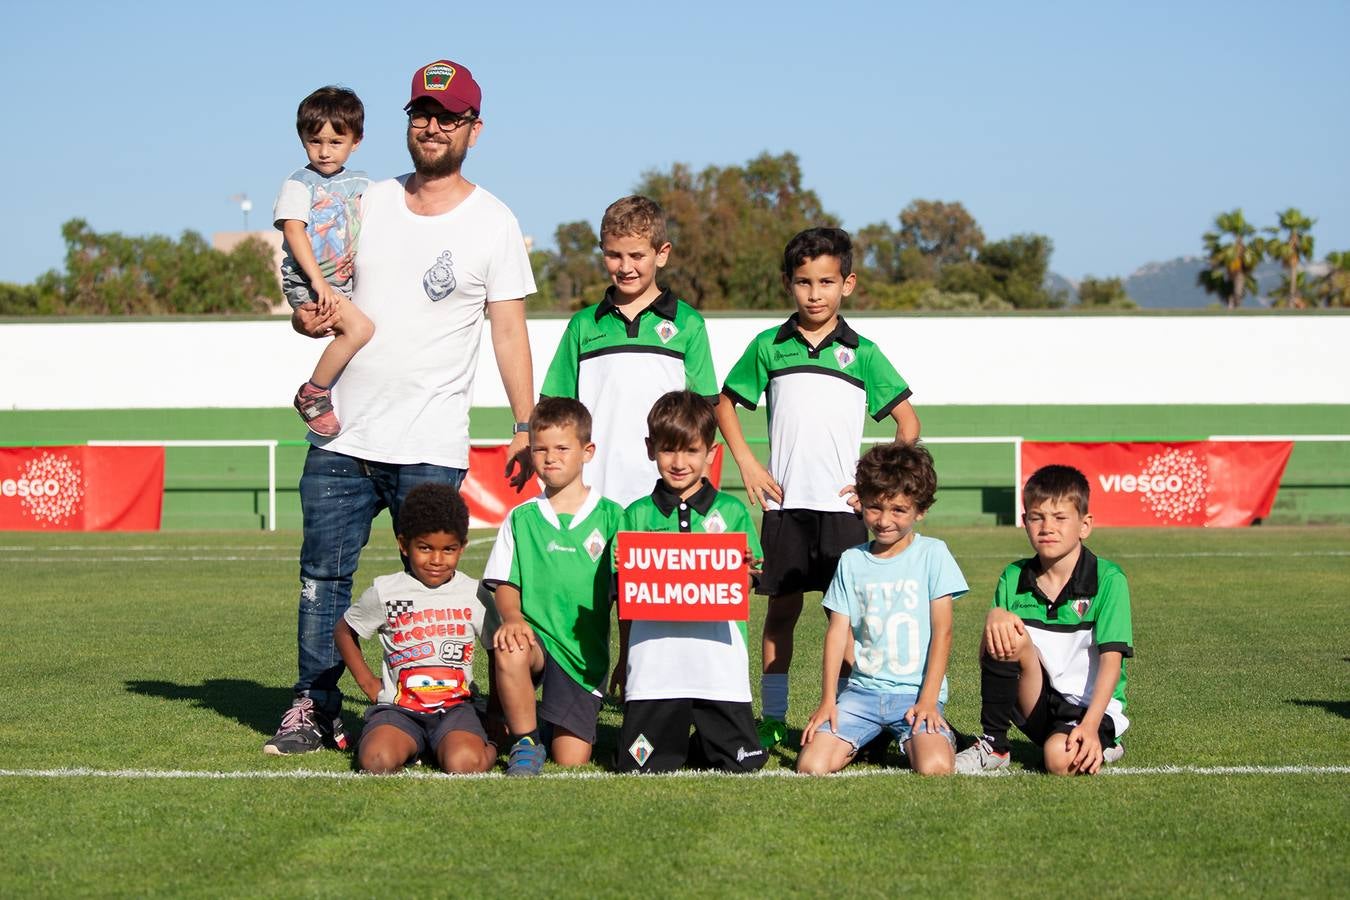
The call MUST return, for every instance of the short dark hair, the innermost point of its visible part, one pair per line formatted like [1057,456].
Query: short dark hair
[556,412]
[635,216]
[679,419]
[815,242]
[1057,483]
[887,470]
[433,507]
[332,105]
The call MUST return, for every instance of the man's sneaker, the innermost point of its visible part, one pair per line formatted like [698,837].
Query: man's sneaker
[526,759]
[299,731]
[315,405]
[771,732]
[1113,753]
[980,758]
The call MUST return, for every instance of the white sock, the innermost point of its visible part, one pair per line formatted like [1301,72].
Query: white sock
[773,696]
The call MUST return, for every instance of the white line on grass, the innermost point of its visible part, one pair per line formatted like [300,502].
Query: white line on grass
[591,774]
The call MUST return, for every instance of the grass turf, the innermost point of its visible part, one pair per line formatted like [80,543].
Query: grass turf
[175,651]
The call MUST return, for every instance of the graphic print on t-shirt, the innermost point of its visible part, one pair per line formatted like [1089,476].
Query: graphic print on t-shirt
[439,280]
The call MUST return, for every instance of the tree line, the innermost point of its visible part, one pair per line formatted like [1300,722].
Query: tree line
[1234,249]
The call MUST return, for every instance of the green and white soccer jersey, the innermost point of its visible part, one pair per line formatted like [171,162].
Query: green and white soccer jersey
[1089,617]
[618,368]
[561,568]
[689,660]
[817,400]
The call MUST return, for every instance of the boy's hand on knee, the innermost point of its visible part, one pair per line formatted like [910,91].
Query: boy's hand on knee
[1084,747]
[513,636]
[1003,634]
[827,711]
[327,298]
[927,715]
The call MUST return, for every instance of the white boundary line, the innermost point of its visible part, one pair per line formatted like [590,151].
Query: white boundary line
[592,775]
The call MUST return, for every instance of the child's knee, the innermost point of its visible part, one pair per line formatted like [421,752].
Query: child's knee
[380,760]
[463,758]
[355,324]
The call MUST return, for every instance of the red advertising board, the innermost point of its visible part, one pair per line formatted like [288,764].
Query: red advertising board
[675,577]
[1197,483]
[490,496]
[81,488]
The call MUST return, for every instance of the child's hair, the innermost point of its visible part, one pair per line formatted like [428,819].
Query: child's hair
[815,242]
[433,507]
[635,216]
[333,105]
[1057,483]
[680,419]
[887,470]
[557,412]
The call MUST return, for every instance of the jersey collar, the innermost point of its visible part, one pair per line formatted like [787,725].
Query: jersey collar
[667,501]
[664,306]
[1082,582]
[587,507]
[842,334]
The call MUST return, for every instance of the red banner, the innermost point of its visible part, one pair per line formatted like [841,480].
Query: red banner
[490,496]
[81,488]
[674,577]
[1204,483]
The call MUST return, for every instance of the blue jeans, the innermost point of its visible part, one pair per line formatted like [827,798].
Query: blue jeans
[340,496]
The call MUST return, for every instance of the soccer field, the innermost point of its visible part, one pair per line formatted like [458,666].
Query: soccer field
[130,746]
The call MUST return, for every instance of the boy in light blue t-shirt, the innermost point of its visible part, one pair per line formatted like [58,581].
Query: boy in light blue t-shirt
[893,598]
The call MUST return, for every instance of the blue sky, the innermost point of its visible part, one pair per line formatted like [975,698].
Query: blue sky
[1117,129]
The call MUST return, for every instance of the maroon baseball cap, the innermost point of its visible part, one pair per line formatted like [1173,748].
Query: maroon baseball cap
[449,84]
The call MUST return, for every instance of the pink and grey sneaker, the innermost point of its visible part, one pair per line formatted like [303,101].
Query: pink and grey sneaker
[315,405]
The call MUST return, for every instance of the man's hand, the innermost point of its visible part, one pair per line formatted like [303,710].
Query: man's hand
[1004,633]
[519,463]
[310,320]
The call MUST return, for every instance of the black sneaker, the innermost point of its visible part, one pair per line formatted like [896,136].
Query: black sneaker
[299,731]
[337,734]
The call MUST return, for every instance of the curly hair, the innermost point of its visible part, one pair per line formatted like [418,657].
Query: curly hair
[635,216]
[433,507]
[887,470]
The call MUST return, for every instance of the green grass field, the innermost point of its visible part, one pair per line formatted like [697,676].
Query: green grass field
[174,652]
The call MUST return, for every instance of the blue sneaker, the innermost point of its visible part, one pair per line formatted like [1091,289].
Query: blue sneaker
[526,759]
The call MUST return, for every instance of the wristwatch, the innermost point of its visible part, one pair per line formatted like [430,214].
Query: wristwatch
[521,428]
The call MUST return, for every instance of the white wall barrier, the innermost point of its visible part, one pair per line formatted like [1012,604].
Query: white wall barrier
[947,360]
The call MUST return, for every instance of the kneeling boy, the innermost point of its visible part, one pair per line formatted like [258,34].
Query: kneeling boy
[682,675]
[1052,659]
[893,599]
[427,619]
[549,572]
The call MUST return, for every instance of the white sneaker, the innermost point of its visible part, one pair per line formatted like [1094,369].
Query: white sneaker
[1113,753]
[981,759]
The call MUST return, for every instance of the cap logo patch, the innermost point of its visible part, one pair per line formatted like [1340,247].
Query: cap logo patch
[437,76]
[844,356]
[666,330]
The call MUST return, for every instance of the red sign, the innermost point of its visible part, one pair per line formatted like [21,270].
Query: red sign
[674,577]
[1205,483]
[490,496]
[81,488]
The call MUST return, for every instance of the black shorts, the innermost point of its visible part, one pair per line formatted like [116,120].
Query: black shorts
[655,736]
[566,704]
[426,729]
[802,548]
[1053,714]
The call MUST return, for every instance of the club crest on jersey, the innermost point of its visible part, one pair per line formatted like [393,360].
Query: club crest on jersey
[595,545]
[439,280]
[437,76]
[641,750]
[665,330]
[715,524]
[1081,605]
[844,356]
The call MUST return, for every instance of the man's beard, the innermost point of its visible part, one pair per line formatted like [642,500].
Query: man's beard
[439,166]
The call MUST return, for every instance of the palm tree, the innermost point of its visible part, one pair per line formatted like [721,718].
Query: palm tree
[1291,244]
[1333,288]
[1229,266]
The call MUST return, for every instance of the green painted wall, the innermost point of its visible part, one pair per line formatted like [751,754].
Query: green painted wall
[226,488]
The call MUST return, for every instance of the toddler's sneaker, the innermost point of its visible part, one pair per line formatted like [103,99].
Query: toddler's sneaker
[1113,753]
[315,405]
[299,731]
[980,758]
[526,759]
[771,732]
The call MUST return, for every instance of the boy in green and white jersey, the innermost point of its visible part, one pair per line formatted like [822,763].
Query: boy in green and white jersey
[549,573]
[639,342]
[678,676]
[1052,659]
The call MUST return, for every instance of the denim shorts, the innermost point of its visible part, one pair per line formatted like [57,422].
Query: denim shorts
[865,714]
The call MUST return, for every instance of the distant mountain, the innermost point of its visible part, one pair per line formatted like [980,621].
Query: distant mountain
[1174,285]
